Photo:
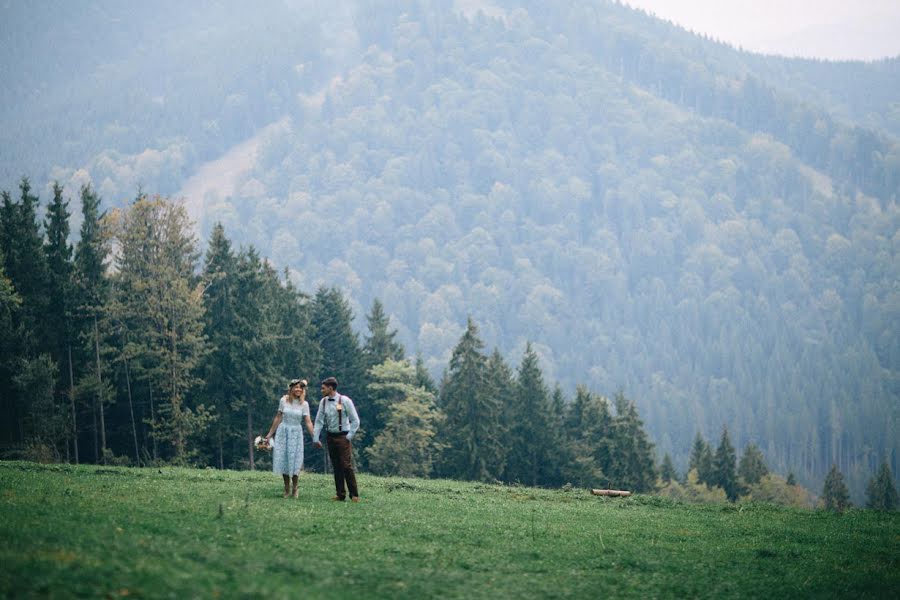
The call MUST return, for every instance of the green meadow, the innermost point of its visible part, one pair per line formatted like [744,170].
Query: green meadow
[91,531]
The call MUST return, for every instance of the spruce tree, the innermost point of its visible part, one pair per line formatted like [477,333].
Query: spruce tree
[554,472]
[91,298]
[589,424]
[725,467]
[472,432]
[423,377]
[10,349]
[381,343]
[59,317]
[341,357]
[880,492]
[835,495]
[667,470]
[632,466]
[504,380]
[529,443]
[752,466]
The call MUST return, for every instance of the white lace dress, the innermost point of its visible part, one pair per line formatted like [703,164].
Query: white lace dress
[287,456]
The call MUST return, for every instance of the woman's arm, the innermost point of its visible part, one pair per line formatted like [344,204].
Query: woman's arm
[275,423]
[309,425]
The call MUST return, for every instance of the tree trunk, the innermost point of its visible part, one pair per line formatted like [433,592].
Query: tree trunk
[72,403]
[100,390]
[250,435]
[153,420]
[221,449]
[137,451]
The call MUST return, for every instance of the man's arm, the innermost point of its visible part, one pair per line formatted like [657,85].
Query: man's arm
[354,418]
[320,418]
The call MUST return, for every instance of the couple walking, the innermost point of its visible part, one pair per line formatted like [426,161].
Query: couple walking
[336,415]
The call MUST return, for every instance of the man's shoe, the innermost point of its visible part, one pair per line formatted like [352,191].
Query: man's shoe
[337,499]
[354,499]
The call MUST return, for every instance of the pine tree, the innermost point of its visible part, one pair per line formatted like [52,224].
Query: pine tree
[791,480]
[90,302]
[725,467]
[702,461]
[835,494]
[472,431]
[529,405]
[26,267]
[667,471]
[342,358]
[60,313]
[881,493]
[423,378]
[10,349]
[632,466]
[379,347]
[159,300]
[589,424]
[554,472]
[752,466]
[381,343]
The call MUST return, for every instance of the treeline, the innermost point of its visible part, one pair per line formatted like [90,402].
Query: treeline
[125,349]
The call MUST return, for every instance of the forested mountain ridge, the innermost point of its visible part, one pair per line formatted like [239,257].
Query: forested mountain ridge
[656,212]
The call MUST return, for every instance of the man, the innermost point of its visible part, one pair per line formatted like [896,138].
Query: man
[337,415]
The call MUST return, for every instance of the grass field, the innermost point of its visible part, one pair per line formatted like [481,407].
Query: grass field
[116,532]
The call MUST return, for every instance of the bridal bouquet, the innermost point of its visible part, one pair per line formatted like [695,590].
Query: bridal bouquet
[262,443]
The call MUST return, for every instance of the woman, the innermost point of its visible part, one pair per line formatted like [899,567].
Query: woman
[287,457]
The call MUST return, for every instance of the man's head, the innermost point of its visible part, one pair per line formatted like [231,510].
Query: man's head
[329,386]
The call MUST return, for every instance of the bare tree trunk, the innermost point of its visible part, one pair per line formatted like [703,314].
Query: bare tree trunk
[250,435]
[221,449]
[137,452]
[72,403]
[153,420]
[100,390]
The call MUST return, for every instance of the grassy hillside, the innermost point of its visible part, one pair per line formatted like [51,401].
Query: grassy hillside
[113,532]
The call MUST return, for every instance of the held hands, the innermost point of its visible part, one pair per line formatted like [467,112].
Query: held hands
[317,444]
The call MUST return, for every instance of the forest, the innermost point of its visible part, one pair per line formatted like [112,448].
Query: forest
[710,232]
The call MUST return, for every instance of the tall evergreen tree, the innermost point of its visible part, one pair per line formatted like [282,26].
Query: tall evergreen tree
[529,443]
[752,466]
[474,450]
[220,329]
[555,471]
[59,317]
[725,467]
[91,298]
[332,321]
[26,266]
[632,466]
[379,347]
[881,493]
[701,459]
[381,343]
[667,470]
[504,381]
[423,378]
[161,303]
[589,423]
[10,304]
[835,494]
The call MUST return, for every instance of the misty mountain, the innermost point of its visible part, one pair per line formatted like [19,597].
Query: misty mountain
[711,231]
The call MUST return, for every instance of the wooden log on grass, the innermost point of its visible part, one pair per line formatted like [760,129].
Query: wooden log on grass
[611,493]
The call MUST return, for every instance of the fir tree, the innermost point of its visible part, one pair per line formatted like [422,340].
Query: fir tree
[59,317]
[881,493]
[381,343]
[725,467]
[472,431]
[529,446]
[503,378]
[791,480]
[752,466]
[632,466]
[835,495]
[667,470]
[591,439]
[423,378]
[333,332]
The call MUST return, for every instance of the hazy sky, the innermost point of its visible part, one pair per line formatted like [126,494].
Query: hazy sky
[835,29]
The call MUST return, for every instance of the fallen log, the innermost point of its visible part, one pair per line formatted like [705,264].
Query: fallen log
[613,493]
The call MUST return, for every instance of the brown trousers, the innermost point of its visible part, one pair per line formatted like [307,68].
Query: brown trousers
[340,450]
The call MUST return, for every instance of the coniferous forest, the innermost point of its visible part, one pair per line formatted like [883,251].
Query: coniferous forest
[537,244]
